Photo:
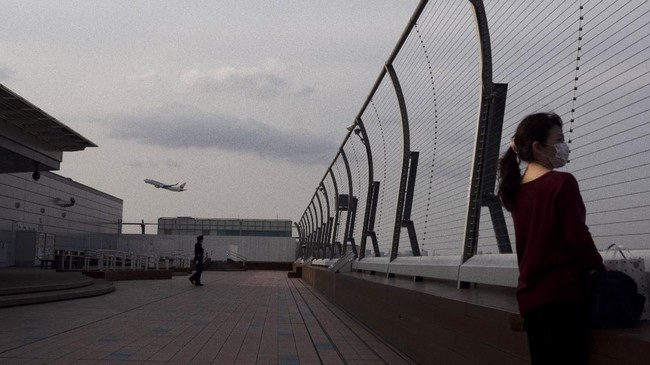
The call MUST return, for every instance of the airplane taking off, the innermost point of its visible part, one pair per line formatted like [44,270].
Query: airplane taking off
[171,187]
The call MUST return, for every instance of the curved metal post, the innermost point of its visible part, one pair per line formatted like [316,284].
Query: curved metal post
[470,240]
[303,240]
[349,222]
[300,252]
[371,218]
[336,213]
[351,129]
[406,153]
[312,228]
[315,231]
[366,142]
[320,229]
[393,55]
[305,226]
[328,219]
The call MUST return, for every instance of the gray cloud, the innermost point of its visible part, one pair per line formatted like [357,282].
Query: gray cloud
[182,126]
[153,164]
[5,72]
[263,82]
[136,163]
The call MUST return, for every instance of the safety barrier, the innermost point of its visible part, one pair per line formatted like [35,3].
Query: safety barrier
[414,180]
[236,257]
[113,260]
[488,269]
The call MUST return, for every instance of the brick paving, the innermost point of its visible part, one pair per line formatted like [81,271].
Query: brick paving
[253,317]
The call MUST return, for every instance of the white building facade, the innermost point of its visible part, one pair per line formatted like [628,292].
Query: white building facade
[224,227]
[34,212]
[267,240]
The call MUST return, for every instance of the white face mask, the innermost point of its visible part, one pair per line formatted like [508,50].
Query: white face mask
[561,155]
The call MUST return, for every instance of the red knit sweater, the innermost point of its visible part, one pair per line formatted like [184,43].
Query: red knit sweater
[555,250]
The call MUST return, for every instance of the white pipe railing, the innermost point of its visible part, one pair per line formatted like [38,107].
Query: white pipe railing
[113,260]
[236,257]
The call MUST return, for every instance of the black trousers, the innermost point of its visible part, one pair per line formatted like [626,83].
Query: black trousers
[196,277]
[557,334]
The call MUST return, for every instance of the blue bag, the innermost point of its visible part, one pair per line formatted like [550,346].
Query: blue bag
[613,300]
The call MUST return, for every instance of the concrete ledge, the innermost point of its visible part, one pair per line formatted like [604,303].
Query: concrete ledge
[499,269]
[97,287]
[269,265]
[440,267]
[294,275]
[296,272]
[322,262]
[435,323]
[490,269]
[26,286]
[343,264]
[131,275]
[378,264]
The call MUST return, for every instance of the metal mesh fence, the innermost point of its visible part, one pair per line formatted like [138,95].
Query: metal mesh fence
[358,160]
[439,70]
[587,61]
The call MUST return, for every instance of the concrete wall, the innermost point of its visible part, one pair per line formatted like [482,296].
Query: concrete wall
[39,207]
[269,249]
[7,248]
[28,205]
[433,329]
[273,249]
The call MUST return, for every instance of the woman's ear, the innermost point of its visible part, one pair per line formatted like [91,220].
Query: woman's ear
[537,149]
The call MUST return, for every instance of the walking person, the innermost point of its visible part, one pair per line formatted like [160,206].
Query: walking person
[555,250]
[195,279]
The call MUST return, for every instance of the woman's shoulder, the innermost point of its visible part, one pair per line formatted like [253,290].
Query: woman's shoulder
[552,177]
[563,180]
[562,176]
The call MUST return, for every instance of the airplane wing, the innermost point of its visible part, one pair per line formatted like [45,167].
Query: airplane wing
[158,184]
[181,187]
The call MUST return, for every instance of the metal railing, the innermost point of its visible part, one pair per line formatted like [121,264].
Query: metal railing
[405,189]
[236,257]
[114,260]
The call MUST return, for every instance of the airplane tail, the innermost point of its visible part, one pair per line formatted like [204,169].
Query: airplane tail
[182,185]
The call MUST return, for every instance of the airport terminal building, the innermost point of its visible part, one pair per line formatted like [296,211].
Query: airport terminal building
[262,240]
[224,227]
[33,213]
[54,213]
[41,212]
[36,205]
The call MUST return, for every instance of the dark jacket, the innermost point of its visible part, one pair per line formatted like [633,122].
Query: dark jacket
[555,250]
[198,251]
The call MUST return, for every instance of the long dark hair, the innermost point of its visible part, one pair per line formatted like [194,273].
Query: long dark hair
[533,128]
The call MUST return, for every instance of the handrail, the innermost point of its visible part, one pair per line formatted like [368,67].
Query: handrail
[237,256]
[108,259]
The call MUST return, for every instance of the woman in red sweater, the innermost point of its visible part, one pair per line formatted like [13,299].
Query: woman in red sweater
[555,250]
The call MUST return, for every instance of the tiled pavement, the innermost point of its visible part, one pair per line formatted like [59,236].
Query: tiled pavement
[253,317]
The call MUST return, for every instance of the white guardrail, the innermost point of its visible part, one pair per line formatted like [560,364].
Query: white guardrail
[112,260]
[236,257]
[491,269]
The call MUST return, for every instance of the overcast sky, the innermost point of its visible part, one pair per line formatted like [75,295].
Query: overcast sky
[246,101]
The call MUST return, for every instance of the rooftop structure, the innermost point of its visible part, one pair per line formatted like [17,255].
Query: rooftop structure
[31,139]
[224,227]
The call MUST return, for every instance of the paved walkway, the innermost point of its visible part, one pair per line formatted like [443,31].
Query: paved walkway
[253,317]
